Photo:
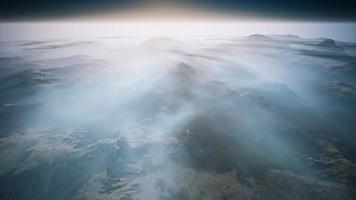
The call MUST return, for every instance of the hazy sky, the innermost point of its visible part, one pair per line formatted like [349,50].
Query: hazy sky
[48,30]
[326,10]
[86,18]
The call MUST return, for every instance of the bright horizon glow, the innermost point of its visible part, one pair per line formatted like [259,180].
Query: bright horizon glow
[52,30]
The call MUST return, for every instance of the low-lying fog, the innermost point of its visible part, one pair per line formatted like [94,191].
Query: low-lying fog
[262,117]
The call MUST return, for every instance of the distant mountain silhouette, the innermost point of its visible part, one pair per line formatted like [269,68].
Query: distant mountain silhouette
[328,43]
[259,37]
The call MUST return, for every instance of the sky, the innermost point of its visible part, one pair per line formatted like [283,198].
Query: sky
[325,10]
[33,19]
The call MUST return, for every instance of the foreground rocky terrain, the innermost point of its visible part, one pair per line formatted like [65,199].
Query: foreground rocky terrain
[261,117]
